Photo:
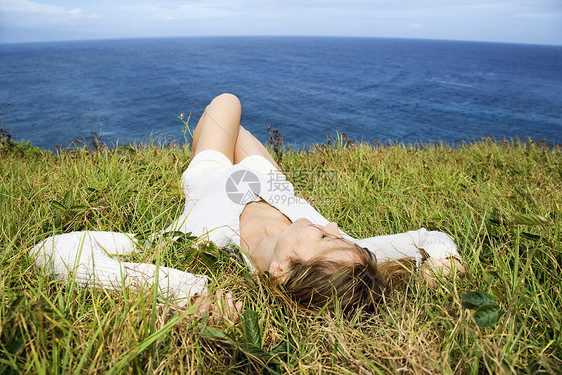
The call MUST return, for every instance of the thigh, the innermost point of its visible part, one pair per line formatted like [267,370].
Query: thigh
[247,145]
[218,127]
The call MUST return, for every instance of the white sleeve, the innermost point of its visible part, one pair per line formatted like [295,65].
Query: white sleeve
[437,245]
[86,257]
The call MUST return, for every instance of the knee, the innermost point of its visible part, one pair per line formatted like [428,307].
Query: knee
[227,99]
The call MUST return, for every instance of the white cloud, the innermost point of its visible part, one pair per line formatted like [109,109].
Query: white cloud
[460,19]
[45,19]
[32,8]
[187,11]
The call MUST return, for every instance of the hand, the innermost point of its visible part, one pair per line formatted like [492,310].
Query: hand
[433,268]
[220,307]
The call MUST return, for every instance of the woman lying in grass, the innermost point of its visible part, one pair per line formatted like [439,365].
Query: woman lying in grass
[236,194]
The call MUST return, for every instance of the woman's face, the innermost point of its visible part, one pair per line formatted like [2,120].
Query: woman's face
[304,240]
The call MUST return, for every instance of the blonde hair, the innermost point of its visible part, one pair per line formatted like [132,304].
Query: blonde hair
[314,283]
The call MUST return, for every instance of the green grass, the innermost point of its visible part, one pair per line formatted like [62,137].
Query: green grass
[476,193]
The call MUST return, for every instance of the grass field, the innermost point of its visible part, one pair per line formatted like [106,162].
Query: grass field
[500,201]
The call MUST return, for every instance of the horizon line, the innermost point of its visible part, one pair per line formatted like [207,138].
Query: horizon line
[123,38]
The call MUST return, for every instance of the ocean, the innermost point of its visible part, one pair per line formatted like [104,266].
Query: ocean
[308,88]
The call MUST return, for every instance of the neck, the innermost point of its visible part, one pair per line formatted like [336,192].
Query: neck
[261,250]
[260,228]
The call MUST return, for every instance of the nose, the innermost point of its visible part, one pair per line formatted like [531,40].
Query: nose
[332,228]
[303,221]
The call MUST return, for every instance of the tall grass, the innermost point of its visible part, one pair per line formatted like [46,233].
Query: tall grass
[479,193]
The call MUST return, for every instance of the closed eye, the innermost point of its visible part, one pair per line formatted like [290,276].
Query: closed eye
[331,236]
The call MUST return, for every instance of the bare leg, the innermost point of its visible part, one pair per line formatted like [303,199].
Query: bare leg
[247,145]
[218,127]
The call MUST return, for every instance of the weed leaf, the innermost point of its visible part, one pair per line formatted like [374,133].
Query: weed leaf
[68,198]
[494,221]
[186,238]
[209,259]
[285,346]
[252,327]
[126,148]
[474,300]
[77,209]
[17,340]
[174,233]
[282,347]
[529,219]
[57,206]
[254,351]
[216,334]
[261,358]
[529,236]
[486,315]
[493,272]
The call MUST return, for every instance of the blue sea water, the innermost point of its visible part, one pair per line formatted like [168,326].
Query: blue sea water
[388,90]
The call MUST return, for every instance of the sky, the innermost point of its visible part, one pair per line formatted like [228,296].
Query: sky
[512,21]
